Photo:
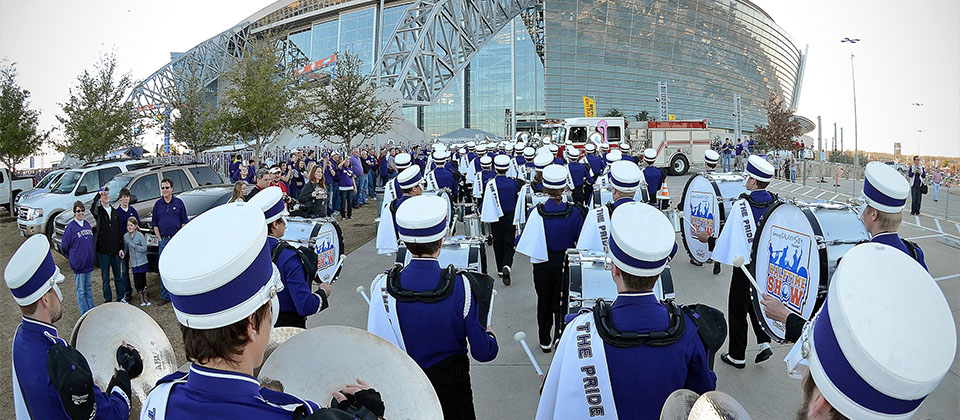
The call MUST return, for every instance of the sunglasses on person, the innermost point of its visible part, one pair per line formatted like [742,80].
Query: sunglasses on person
[78,210]
[164,188]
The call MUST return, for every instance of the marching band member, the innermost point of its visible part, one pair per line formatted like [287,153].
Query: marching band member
[623,377]
[579,174]
[554,151]
[625,149]
[653,175]
[297,302]
[859,363]
[535,185]
[409,183]
[430,312]
[513,169]
[736,239]
[595,162]
[442,176]
[625,178]
[551,229]
[604,148]
[51,379]
[527,169]
[485,174]
[225,303]
[498,206]
[884,194]
[392,190]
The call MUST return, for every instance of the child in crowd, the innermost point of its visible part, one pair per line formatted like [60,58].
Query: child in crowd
[135,245]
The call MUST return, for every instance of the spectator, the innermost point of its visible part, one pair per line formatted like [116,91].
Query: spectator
[936,179]
[356,166]
[299,174]
[124,211]
[916,173]
[313,198]
[391,165]
[237,195]
[263,181]
[281,177]
[346,187]
[77,245]
[739,155]
[793,169]
[235,168]
[135,248]
[107,241]
[373,169]
[330,165]
[169,215]
[384,168]
[251,172]
[727,151]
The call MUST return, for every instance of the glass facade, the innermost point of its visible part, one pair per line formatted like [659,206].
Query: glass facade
[326,37]
[356,35]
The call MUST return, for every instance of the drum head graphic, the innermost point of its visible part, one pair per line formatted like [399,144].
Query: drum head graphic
[701,212]
[786,265]
[328,249]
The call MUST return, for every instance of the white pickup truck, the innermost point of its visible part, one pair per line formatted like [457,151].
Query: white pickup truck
[11,185]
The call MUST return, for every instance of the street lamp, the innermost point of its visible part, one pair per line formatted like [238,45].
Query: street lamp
[856,158]
[918,105]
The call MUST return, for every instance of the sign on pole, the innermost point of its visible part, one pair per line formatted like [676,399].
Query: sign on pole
[589,107]
[738,120]
[662,99]
[671,117]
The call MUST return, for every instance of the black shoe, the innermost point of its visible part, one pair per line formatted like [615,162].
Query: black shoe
[696,263]
[725,358]
[506,275]
[763,355]
[716,268]
[546,349]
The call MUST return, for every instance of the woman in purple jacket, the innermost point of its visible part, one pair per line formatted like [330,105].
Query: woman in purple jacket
[344,177]
[77,245]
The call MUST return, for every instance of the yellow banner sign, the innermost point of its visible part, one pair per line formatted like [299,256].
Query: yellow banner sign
[672,117]
[589,107]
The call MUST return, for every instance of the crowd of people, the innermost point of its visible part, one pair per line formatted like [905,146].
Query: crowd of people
[631,358]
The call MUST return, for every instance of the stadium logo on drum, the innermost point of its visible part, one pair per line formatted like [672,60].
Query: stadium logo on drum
[788,276]
[701,212]
[326,250]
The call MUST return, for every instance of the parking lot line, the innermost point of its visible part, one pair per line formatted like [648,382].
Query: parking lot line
[795,189]
[937,222]
[952,276]
[834,197]
[923,237]
[918,220]
[824,192]
[957,226]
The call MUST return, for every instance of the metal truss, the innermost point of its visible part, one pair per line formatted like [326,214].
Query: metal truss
[533,20]
[434,41]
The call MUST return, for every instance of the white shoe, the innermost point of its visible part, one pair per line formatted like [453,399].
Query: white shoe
[143,303]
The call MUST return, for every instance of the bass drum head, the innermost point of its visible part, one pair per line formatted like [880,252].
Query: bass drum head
[406,391]
[298,230]
[102,329]
[786,264]
[329,248]
[701,211]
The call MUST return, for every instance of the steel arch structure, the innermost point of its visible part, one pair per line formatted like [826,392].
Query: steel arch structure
[434,41]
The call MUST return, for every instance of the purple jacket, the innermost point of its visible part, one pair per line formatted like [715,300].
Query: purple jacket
[356,165]
[344,177]
[77,245]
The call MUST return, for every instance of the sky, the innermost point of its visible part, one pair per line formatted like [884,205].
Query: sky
[909,53]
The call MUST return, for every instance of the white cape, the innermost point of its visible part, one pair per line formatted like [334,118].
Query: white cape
[736,237]
[387,241]
[382,315]
[520,210]
[566,383]
[491,210]
[533,239]
[595,234]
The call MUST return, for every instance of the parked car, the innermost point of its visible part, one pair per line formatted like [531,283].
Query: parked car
[10,186]
[36,214]
[43,186]
[144,186]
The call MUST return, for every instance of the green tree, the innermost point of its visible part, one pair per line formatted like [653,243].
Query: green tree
[96,118]
[613,112]
[19,136]
[644,116]
[196,122]
[349,106]
[262,97]
[781,127]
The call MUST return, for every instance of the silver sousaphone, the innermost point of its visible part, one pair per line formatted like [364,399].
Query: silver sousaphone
[101,330]
[354,353]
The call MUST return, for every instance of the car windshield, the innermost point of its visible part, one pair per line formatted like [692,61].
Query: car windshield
[67,182]
[47,179]
[116,184]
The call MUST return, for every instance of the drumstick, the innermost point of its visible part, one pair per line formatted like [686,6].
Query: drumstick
[490,311]
[363,294]
[337,268]
[521,337]
[738,262]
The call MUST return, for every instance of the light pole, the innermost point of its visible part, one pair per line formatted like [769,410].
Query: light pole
[918,105]
[856,158]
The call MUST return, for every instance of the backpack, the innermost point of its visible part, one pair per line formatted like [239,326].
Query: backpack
[481,287]
[308,258]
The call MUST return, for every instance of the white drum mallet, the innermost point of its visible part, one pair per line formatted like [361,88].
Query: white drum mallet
[521,337]
[363,294]
[490,310]
[738,262]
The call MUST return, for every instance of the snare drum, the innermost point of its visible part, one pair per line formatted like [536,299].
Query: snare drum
[466,253]
[796,252]
[324,236]
[603,194]
[588,279]
[707,200]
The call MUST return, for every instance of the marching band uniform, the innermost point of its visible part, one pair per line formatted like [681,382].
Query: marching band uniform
[499,203]
[625,178]
[625,149]
[392,190]
[387,229]
[485,174]
[297,302]
[551,229]
[528,169]
[434,334]
[653,175]
[554,151]
[540,162]
[735,239]
[442,176]
[597,165]
[579,174]
[41,390]
[859,359]
[633,380]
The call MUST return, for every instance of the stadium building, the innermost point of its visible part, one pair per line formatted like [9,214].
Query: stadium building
[501,64]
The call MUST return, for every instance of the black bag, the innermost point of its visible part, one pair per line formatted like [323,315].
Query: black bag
[923,188]
[307,257]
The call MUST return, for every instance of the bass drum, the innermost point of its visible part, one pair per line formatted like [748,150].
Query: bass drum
[465,253]
[707,200]
[324,237]
[588,279]
[796,253]
[603,194]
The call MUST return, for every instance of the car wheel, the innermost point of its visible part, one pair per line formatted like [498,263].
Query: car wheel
[50,227]
[679,165]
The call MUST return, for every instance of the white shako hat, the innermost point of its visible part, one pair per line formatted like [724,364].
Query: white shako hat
[759,169]
[649,155]
[422,219]
[572,153]
[481,148]
[871,362]
[31,272]
[542,160]
[555,176]
[510,147]
[440,156]
[463,151]
[711,157]
[402,160]
[646,254]
[471,145]
[553,148]
[625,176]
[409,178]
[624,147]
[520,145]
[486,161]
[604,146]
[590,147]
[613,156]
[501,162]
[502,146]
[547,139]
[235,275]
[270,201]
[884,188]
[529,152]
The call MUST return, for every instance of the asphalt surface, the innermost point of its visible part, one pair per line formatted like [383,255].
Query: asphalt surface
[507,387]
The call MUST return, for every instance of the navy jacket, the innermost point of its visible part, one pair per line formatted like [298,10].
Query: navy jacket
[561,232]
[892,239]
[296,295]
[654,177]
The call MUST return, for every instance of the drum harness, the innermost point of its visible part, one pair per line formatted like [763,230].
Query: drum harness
[477,284]
[308,259]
